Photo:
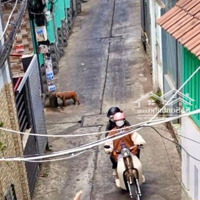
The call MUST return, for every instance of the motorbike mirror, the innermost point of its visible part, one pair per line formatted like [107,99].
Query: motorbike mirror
[140,146]
[107,146]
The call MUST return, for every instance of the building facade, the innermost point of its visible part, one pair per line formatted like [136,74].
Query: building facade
[24,87]
[178,45]
[181,26]
[13,178]
[21,79]
[191,127]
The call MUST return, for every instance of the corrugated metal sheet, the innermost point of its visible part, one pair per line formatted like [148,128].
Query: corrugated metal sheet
[37,105]
[33,78]
[171,54]
[183,23]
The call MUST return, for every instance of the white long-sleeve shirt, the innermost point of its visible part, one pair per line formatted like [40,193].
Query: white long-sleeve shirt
[135,137]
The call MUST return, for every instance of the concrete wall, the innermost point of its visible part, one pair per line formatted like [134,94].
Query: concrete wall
[191,167]
[156,45]
[11,173]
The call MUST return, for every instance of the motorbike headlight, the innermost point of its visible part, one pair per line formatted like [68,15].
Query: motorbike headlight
[125,152]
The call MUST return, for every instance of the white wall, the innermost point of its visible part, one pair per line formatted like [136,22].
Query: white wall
[156,46]
[189,165]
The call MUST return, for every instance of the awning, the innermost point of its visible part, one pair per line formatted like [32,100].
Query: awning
[183,23]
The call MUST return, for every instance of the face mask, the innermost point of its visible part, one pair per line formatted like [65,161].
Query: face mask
[120,123]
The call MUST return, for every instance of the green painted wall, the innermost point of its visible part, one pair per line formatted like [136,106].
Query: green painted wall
[192,88]
[62,9]
[41,58]
[35,44]
[59,12]
[50,26]
[67,3]
[50,31]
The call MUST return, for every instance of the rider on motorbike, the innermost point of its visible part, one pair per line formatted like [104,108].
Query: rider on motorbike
[111,124]
[131,141]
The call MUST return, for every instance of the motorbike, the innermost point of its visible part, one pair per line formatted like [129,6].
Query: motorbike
[129,170]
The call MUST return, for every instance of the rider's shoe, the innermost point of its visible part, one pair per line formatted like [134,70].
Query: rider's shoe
[143,178]
[117,182]
[114,172]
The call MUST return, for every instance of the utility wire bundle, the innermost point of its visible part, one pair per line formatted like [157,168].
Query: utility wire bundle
[79,150]
[7,46]
[104,140]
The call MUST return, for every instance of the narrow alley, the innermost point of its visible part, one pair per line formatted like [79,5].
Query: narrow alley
[105,64]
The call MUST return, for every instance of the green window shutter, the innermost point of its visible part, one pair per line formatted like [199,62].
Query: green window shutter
[51,31]
[192,88]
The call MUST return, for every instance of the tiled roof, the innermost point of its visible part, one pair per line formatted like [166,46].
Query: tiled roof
[183,23]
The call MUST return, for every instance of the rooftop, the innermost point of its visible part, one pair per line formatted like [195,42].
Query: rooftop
[183,23]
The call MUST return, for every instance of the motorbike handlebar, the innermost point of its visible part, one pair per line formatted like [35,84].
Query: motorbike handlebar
[141,146]
[131,148]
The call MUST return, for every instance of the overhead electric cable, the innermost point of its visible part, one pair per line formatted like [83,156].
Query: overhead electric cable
[86,146]
[86,134]
[69,135]
[73,150]
[80,135]
[177,91]
[59,159]
[168,157]
[176,144]
[109,138]
[179,135]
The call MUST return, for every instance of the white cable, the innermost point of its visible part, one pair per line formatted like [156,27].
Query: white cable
[111,138]
[98,133]
[175,93]
[73,150]
[58,159]
[74,135]
[9,18]
[173,118]
[90,145]
[58,136]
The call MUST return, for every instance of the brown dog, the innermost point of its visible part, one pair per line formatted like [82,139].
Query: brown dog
[68,95]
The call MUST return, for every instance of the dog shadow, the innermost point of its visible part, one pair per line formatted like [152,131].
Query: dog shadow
[69,102]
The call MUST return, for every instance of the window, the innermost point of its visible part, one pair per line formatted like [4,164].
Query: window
[192,88]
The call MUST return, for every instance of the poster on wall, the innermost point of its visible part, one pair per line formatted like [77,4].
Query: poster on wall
[44,49]
[41,33]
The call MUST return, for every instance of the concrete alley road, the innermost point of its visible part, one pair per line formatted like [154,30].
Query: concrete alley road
[105,63]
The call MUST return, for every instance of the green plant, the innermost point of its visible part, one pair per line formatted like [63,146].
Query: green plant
[156,100]
[1,124]
[2,147]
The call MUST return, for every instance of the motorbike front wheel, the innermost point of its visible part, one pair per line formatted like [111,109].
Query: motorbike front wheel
[134,191]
